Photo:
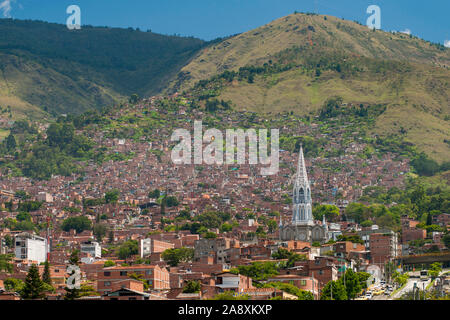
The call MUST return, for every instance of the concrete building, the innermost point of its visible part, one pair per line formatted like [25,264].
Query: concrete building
[93,248]
[213,247]
[30,247]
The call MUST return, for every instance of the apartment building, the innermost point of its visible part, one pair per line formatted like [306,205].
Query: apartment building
[149,246]
[92,248]
[157,278]
[30,247]
[383,247]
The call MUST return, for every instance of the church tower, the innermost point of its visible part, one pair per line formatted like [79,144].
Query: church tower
[302,226]
[301,198]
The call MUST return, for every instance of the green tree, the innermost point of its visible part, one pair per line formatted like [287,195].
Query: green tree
[11,143]
[140,277]
[46,275]
[210,235]
[5,263]
[352,284]
[229,295]
[174,256]
[109,263]
[33,288]
[330,212]
[334,290]
[281,253]
[446,240]
[14,285]
[171,201]
[400,279]
[23,216]
[79,224]
[226,227]
[112,196]
[272,226]
[155,194]
[291,289]
[128,249]
[192,287]
[134,98]
[111,236]
[258,271]
[87,291]
[74,258]
[435,269]
[99,231]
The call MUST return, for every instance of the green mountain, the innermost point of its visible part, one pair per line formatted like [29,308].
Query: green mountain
[297,63]
[45,66]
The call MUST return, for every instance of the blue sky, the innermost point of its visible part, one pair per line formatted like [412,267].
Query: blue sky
[209,19]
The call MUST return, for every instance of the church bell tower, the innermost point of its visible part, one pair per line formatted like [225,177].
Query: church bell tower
[301,199]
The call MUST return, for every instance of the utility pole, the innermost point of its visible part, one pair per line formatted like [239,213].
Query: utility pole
[331,289]
[424,291]
[314,296]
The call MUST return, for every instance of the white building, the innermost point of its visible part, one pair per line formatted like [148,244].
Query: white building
[146,247]
[31,247]
[93,248]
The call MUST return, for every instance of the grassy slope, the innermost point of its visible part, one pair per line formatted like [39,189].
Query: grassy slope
[418,99]
[259,45]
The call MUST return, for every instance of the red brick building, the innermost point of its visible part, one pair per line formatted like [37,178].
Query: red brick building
[157,278]
[413,234]
[383,247]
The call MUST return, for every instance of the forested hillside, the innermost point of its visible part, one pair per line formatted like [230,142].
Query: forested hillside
[46,66]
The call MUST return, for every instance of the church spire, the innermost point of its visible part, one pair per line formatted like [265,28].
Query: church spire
[302,176]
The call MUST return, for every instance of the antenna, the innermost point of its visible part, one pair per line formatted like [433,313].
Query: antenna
[49,236]
[316,6]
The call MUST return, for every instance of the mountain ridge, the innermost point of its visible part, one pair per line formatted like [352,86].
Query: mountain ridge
[409,75]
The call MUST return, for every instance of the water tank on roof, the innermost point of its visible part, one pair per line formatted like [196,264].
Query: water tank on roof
[375,227]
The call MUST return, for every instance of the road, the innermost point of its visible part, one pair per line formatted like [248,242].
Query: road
[410,285]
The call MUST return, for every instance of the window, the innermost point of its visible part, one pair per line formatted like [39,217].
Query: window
[106,273]
[321,272]
[303,282]
[148,272]
[123,273]
[107,283]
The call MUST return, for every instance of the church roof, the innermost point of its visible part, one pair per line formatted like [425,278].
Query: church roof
[301,177]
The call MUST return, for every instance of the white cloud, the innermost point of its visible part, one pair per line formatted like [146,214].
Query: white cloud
[6,7]
[406,31]
[447,43]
